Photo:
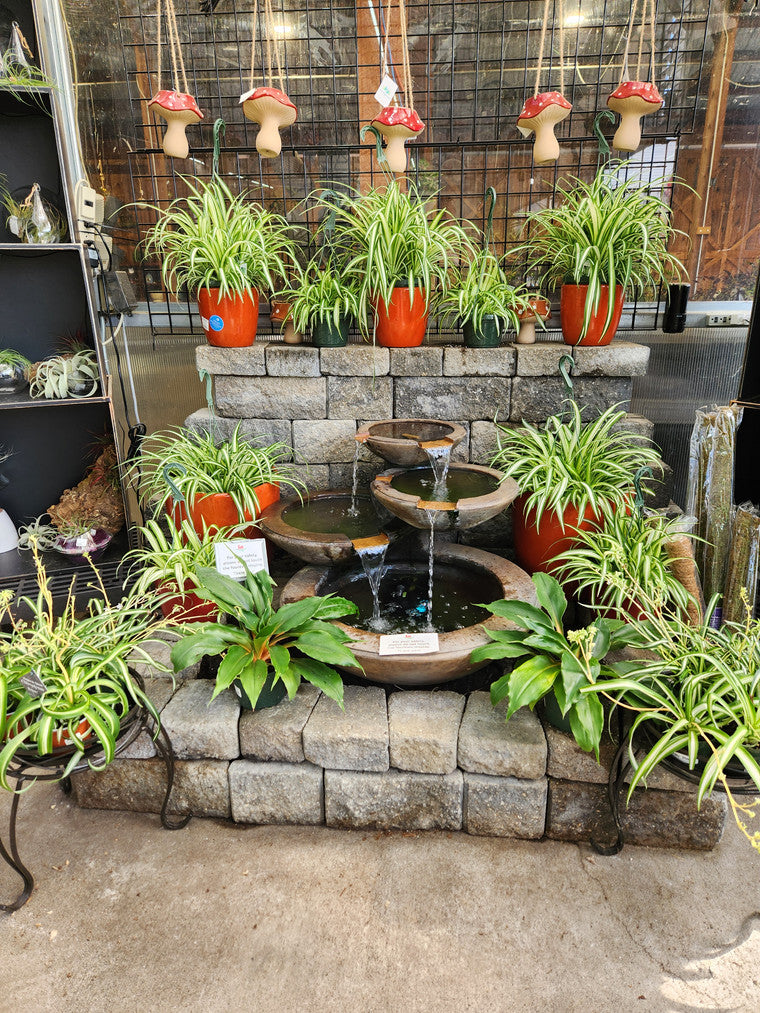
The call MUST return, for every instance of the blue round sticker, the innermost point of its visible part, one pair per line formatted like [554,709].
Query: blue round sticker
[215,323]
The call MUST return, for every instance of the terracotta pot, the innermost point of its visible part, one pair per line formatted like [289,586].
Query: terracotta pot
[535,545]
[61,737]
[228,321]
[399,325]
[218,510]
[187,605]
[572,303]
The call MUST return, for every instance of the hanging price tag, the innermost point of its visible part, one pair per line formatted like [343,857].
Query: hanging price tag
[232,557]
[386,91]
[408,643]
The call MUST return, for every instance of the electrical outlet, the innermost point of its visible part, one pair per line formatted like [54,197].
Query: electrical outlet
[727,320]
[90,205]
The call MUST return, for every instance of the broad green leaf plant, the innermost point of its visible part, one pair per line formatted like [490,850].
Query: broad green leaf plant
[612,231]
[556,661]
[291,643]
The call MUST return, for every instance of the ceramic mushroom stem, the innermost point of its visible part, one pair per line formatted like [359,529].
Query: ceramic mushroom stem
[537,308]
[272,110]
[180,111]
[632,99]
[397,124]
[539,116]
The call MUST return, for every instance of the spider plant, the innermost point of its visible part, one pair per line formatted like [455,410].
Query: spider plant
[193,464]
[393,238]
[84,685]
[608,562]
[323,295]
[214,239]
[612,231]
[481,290]
[63,376]
[584,465]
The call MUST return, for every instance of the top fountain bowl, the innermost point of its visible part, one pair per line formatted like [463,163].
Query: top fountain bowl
[401,441]
[464,512]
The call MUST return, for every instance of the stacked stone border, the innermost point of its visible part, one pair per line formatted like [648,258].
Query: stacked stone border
[398,760]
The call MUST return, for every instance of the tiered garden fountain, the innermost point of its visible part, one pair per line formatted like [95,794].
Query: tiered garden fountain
[402,581]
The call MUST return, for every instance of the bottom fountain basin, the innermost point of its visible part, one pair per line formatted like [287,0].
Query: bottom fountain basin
[408,494]
[490,576]
[320,529]
[402,441]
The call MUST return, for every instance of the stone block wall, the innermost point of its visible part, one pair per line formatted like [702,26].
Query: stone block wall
[397,760]
[313,399]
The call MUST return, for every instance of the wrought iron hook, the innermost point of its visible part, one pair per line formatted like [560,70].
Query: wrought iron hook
[177,494]
[490,195]
[220,129]
[378,142]
[645,471]
[565,365]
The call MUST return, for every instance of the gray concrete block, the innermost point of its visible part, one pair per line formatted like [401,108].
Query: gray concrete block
[663,819]
[423,361]
[342,475]
[232,361]
[353,739]
[621,358]
[274,733]
[292,360]
[483,442]
[504,806]
[276,793]
[452,397]
[324,441]
[461,361]
[640,429]
[354,396]
[257,431]
[199,727]
[423,729]
[394,800]
[200,787]
[315,476]
[541,359]
[160,691]
[566,759]
[495,535]
[159,650]
[355,360]
[490,745]
[534,399]
[272,397]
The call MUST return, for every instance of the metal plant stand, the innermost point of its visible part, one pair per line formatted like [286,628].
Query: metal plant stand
[31,767]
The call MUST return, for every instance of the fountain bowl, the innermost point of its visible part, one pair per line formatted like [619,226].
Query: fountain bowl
[398,440]
[498,578]
[465,512]
[314,546]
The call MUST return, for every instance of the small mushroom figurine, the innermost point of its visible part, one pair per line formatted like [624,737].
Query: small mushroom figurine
[179,110]
[632,99]
[272,110]
[397,124]
[539,115]
[537,308]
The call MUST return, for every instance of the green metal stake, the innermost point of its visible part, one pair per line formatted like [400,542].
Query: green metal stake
[378,142]
[170,466]
[220,128]
[638,503]
[488,235]
[605,152]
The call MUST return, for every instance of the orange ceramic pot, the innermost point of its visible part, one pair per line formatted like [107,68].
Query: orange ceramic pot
[399,324]
[229,321]
[186,606]
[572,303]
[536,545]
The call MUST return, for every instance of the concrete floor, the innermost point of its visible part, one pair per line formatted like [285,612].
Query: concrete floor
[219,917]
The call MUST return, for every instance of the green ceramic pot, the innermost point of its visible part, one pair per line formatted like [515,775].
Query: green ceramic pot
[487,336]
[270,694]
[326,335]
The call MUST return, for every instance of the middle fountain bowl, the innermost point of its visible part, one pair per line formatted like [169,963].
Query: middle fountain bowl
[496,578]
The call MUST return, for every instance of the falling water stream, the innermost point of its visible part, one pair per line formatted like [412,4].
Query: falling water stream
[439,456]
[431,560]
[354,480]
[372,558]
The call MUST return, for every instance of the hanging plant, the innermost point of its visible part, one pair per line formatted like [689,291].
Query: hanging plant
[544,110]
[176,106]
[268,106]
[634,99]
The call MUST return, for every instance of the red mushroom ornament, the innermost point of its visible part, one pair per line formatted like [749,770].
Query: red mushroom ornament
[179,110]
[397,124]
[539,115]
[272,110]
[632,99]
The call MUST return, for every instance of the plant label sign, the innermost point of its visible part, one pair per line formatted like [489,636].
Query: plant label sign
[233,556]
[32,683]
[408,643]
[386,91]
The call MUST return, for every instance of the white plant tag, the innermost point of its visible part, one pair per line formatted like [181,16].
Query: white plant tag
[386,91]
[14,225]
[233,556]
[408,643]
[33,684]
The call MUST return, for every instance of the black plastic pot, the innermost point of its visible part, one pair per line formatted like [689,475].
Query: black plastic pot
[325,334]
[488,335]
[272,693]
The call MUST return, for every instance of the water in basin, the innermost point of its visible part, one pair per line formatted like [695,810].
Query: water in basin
[460,483]
[332,515]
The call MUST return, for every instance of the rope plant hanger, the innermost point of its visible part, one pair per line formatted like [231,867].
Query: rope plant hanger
[634,99]
[397,123]
[544,110]
[176,105]
[269,107]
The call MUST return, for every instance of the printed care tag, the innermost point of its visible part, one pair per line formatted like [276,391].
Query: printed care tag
[408,643]
[233,556]
[386,91]
[33,684]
